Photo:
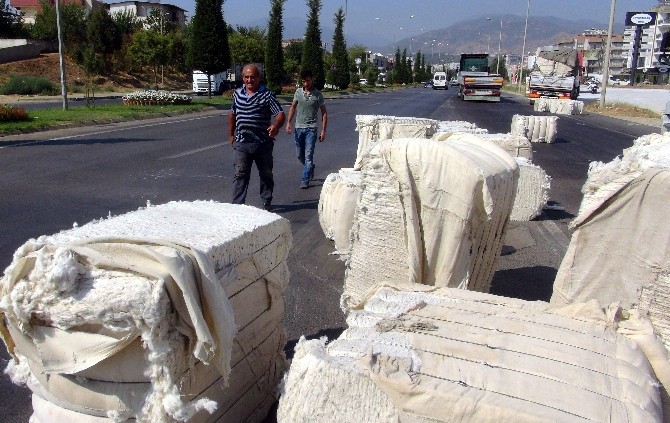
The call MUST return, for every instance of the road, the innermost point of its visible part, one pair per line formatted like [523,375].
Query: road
[53,179]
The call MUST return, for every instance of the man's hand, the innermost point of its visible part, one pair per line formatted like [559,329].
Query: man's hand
[273,130]
[322,137]
[231,138]
[288,128]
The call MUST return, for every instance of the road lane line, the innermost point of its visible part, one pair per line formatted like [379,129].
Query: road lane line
[194,151]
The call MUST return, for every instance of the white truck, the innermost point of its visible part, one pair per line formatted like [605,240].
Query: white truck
[219,82]
[475,82]
[555,74]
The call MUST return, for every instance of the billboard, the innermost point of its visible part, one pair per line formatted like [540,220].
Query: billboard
[640,18]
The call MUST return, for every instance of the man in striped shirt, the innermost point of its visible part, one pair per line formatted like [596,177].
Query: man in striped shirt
[252,134]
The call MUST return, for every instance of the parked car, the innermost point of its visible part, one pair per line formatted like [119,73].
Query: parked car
[453,82]
[428,84]
[363,81]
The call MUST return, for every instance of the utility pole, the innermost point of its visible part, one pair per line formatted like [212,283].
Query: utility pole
[63,82]
[606,67]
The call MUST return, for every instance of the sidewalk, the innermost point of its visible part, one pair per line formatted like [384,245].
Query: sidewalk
[652,99]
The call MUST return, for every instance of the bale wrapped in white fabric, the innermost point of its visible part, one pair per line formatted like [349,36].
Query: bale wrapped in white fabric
[532,192]
[620,245]
[115,318]
[515,145]
[558,106]
[337,204]
[431,213]
[374,128]
[452,355]
[535,128]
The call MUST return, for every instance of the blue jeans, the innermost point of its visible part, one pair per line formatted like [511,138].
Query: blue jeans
[245,154]
[305,140]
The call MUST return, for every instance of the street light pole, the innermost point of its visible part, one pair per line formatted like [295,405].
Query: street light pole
[394,25]
[499,44]
[523,51]
[63,83]
[606,67]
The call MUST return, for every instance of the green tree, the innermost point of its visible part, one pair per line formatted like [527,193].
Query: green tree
[73,24]
[292,59]
[102,35]
[372,75]
[247,45]
[126,22]
[149,48]
[159,21]
[418,75]
[502,69]
[274,54]
[209,51]
[312,51]
[340,71]
[10,21]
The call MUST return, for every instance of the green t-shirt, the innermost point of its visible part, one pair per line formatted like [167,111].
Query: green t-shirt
[308,107]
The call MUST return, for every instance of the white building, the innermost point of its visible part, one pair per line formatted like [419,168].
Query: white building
[142,10]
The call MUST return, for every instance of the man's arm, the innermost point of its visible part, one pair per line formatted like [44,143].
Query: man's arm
[324,123]
[291,114]
[273,129]
[231,127]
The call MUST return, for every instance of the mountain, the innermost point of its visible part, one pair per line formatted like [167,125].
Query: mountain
[481,35]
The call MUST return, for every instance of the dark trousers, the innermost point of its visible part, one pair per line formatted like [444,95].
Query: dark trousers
[245,154]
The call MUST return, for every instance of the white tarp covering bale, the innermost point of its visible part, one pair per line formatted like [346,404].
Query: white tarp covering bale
[558,106]
[535,128]
[431,213]
[532,192]
[337,204]
[620,247]
[515,145]
[459,356]
[374,128]
[117,319]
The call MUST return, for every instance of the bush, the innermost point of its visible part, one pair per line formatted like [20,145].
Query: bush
[29,85]
[12,114]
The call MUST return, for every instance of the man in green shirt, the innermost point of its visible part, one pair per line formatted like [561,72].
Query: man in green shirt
[307,101]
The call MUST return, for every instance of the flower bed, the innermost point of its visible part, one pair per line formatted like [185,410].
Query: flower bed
[11,113]
[155,97]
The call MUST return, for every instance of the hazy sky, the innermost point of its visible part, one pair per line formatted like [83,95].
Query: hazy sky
[428,14]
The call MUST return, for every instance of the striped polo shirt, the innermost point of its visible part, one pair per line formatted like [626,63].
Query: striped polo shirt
[253,114]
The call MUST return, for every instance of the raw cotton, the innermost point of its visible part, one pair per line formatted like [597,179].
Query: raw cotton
[532,192]
[620,247]
[114,318]
[374,128]
[337,204]
[535,128]
[558,106]
[430,213]
[447,128]
[452,355]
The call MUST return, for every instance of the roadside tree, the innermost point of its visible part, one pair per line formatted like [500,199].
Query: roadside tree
[209,51]
[247,45]
[340,73]
[312,52]
[274,54]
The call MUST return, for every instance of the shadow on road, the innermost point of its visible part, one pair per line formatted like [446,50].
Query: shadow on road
[330,333]
[533,283]
[82,141]
[296,205]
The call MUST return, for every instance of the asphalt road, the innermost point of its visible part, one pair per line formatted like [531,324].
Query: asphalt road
[53,179]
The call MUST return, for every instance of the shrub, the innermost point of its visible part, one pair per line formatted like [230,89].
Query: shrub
[12,114]
[28,85]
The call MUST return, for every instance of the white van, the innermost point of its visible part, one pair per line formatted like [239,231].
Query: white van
[440,81]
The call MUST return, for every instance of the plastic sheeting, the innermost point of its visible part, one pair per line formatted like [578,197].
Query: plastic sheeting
[430,213]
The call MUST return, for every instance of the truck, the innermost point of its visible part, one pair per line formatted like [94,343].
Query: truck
[475,82]
[219,82]
[556,73]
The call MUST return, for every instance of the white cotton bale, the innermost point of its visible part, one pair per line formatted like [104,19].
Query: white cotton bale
[535,128]
[431,213]
[447,128]
[620,246]
[453,355]
[515,145]
[235,256]
[532,191]
[559,106]
[374,128]
[337,204]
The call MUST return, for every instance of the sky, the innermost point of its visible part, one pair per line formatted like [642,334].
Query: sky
[428,14]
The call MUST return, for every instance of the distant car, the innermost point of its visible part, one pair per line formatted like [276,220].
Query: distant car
[428,84]
[363,81]
[453,82]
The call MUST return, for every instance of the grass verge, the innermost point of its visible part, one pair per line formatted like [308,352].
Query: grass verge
[621,109]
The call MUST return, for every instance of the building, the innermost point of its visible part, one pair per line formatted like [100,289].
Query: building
[593,43]
[142,10]
[31,8]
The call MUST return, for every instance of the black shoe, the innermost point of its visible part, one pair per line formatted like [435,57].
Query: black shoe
[304,185]
[311,174]
[267,206]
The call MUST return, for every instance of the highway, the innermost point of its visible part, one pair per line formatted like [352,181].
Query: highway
[53,179]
